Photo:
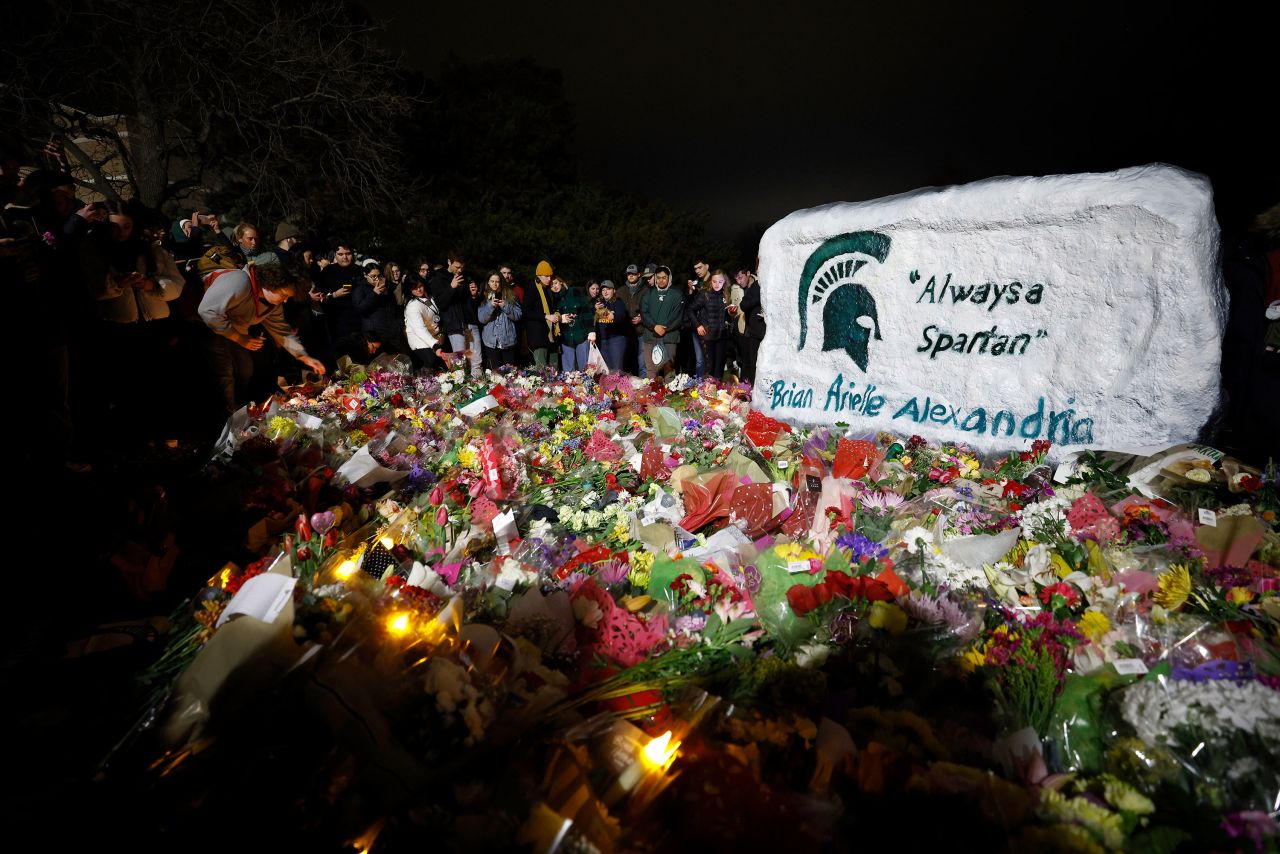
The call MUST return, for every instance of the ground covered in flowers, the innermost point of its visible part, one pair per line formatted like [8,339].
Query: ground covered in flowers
[599,614]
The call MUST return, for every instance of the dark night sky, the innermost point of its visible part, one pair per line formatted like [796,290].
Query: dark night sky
[751,109]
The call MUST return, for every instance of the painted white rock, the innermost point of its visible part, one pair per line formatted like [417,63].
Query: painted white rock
[1083,309]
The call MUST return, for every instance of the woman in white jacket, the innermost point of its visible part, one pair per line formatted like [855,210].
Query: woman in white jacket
[422,327]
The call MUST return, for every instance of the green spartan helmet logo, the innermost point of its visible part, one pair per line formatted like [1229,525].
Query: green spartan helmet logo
[849,316]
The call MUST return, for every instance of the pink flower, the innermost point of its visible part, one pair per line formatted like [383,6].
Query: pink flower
[442,517]
[436,498]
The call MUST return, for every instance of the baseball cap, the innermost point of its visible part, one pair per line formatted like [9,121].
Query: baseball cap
[632,268]
[649,270]
[608,283]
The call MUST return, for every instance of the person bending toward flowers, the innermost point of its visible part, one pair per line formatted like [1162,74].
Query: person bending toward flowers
[238,307]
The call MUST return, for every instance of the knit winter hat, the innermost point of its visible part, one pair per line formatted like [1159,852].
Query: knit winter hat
[286,230]
[543,269]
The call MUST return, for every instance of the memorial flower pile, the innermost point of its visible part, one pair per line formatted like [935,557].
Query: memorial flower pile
[586,612]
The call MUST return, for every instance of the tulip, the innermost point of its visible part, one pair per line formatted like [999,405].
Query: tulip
[331,538]
[442,517]
[303,527]
[436,498]
[304,553]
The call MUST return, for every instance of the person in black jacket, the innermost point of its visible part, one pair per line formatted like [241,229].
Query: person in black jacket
[338,281]
[751,325]
[541,320]
[711,322]
[376,305]
[613,326]
[453,295]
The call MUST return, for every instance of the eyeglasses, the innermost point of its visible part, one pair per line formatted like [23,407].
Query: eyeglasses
[376,278]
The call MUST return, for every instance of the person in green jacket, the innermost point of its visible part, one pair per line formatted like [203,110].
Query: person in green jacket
[577,328]
[661,315]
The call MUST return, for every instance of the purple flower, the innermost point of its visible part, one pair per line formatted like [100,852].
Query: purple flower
[691,623]
[613,572]
[861,546]
[930,609]
[1253,824]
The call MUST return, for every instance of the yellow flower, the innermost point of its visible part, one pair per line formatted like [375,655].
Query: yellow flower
[1094,624]
[905,460]
[794,551]
[1240,595]
[1122,796]
[1175,587]
[972,660]
[693,393]
[887,616]
[1018,552]
[468,458]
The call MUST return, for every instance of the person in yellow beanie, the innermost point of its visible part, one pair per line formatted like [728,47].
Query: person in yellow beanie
[541,321]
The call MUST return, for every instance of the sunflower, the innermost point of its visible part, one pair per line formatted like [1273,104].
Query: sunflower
[1175,587]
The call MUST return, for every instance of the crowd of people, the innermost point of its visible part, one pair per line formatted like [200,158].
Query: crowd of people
[118,288]
[441,316]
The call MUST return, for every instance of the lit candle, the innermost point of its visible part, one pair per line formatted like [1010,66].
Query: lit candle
[653,760]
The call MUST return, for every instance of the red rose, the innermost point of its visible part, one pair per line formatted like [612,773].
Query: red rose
[802,599]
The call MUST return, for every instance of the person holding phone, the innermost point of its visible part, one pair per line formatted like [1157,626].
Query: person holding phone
[541,323]
[451,290]
[613,326]
[577,328]
[499,315]
[338,281]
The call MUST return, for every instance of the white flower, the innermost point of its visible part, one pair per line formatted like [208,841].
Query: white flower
[812,654]
[912,537]
[512,575]
[1037,567]
[589,499]
[1219,706]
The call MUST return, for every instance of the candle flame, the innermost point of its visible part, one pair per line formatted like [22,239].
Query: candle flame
[346,569]
[398,624]
[660,751]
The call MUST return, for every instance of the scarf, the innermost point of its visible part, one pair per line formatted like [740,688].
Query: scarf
[546,309]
